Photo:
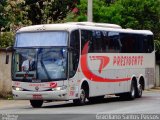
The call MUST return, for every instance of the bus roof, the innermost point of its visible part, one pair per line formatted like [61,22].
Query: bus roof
[104,25]
[81,25]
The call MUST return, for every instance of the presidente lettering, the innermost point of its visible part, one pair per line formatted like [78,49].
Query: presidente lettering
[128,60]
[37,85]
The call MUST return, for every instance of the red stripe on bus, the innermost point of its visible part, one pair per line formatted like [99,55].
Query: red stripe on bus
[91,76]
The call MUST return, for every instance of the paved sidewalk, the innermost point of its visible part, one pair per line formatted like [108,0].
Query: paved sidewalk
[11,103]
[156,89]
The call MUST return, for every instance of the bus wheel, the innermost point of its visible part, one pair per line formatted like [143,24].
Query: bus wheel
[82,99]
[36,103]
[132,94]
[139,91]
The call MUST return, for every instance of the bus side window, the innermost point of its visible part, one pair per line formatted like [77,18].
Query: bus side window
[128,43]
[114,42]
[148,44]
[105,41]
[86,35]
[92,45]
[97,42]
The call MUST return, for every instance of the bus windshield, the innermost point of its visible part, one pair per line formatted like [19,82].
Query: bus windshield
[43,64]
[35,39]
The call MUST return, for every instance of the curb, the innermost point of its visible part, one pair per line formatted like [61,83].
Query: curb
[156,89]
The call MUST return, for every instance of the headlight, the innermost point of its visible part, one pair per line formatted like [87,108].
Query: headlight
[59,88]
[17,88]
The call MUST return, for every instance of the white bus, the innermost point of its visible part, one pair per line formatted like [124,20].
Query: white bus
[80,61]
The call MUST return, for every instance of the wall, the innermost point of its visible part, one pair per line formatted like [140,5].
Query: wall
[5,73]
[157,84]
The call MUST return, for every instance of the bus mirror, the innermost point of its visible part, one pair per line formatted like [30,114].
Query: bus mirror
[10,48]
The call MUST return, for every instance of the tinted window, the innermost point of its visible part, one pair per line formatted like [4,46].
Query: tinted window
[74,53]
[96,42]
[136,43]
[128,43]
[148,41]
[86,35]
[103,41]
[114,42]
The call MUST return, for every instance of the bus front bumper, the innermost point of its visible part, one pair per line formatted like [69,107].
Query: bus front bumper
[42,95]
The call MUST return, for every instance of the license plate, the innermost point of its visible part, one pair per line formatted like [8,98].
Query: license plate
[37,96]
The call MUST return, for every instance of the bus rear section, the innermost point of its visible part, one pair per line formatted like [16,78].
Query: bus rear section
[120,62]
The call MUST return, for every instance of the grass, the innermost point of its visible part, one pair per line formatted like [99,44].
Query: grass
[6,96]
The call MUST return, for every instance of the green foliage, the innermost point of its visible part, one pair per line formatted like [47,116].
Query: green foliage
[16,14]
[19,13]
[70,18]
[6,39]
[140,14]
[3,15]
[99,6]
[6,96]
[135,14]
[49,11]
[157,46]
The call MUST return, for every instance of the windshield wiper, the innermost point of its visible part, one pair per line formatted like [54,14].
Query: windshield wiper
[45,70]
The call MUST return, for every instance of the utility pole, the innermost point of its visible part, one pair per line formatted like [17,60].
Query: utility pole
[89,11]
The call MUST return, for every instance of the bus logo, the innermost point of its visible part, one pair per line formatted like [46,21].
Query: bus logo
[53,84]
[37,88]
[104,60]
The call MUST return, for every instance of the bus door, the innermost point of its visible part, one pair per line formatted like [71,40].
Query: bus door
[74,55]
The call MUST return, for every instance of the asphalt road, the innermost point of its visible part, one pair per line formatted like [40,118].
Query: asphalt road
[21,110]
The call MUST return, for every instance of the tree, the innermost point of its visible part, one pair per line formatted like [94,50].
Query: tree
[49,11]
[6,39]
[138,14]
[17,14]
[3,15]
[82,10]
[12,17]
[135,14]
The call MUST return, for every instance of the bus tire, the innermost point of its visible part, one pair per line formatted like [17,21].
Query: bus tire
[132,94]
[139,91]
[36,103]
[82,98]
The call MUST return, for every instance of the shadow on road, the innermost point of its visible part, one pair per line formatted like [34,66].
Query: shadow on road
[101,101]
